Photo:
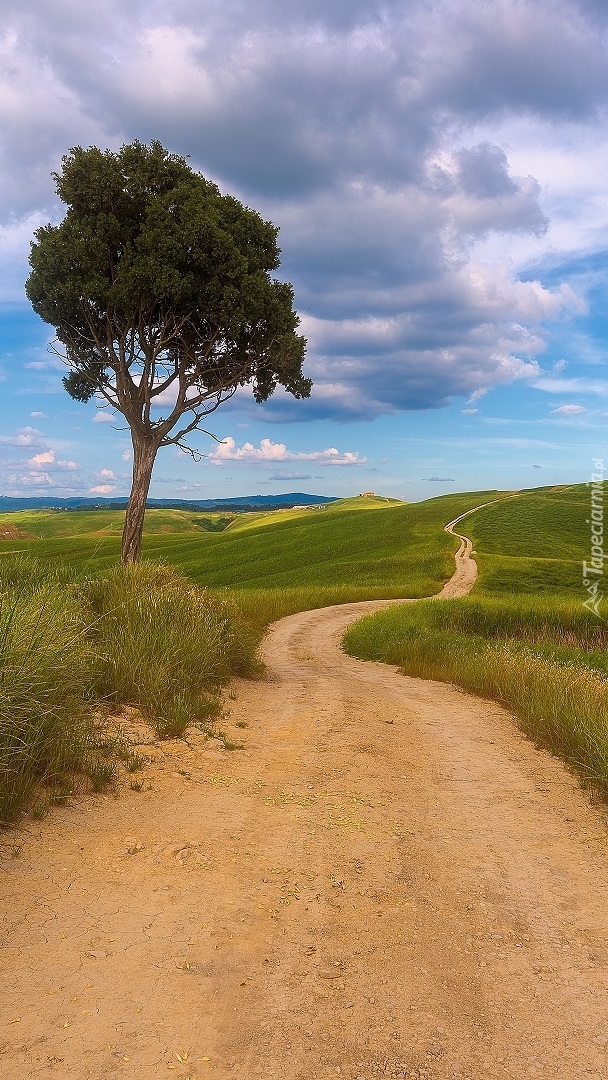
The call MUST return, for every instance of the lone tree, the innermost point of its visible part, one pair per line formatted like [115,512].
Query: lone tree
[160,291]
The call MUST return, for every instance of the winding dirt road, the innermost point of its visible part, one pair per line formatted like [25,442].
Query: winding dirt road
[388,881]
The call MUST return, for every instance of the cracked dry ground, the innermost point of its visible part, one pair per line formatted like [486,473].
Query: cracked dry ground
[388,880]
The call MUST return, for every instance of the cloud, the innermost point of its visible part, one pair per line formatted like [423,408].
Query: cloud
[569,410]
[52,364]
[44,458]
[27,436]
[102,489]
[576,385]
[362,131]
[103,417]
[440,479]
[38,416]
[105,474]
[49,458]
[14,483]
[288,476]
[33,479]
[269,452]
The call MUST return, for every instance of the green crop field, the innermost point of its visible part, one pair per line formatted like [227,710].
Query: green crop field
[534,543]
[365,548]
[45,524]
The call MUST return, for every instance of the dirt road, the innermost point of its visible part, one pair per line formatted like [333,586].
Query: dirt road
[387,881]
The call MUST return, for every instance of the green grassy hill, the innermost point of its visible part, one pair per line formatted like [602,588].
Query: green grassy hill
[44,524]
[534,543]
[365,547]
[523,636]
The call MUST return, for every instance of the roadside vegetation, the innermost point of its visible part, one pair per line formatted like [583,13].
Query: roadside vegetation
[83,637]
[523,637]
[73,652]
[164,645]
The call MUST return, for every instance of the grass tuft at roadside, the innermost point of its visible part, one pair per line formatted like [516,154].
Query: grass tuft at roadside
[70,651]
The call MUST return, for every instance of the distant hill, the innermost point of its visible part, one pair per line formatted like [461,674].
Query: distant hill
[244,503]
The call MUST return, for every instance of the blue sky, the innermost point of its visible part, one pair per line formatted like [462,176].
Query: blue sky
[438,171]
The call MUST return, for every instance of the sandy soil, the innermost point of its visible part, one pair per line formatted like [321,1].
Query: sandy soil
[387,881]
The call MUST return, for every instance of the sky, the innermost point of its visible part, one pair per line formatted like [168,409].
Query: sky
[439,174]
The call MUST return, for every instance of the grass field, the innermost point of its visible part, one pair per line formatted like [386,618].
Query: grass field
[92,524]
[534,543]
[366,547]
[79,631]
[523,636]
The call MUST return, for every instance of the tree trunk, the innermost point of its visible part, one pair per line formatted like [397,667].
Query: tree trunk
[144,454]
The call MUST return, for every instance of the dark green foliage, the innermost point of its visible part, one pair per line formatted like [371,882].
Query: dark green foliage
[157,283]
[151,257]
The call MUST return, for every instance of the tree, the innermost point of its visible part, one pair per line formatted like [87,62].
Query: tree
[160,290]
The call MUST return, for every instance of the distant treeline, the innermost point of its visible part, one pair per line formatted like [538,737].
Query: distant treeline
[234,506]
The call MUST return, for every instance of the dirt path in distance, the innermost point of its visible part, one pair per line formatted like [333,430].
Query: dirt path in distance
[387,881]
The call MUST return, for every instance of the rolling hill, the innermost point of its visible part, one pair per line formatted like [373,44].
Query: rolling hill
[365,548]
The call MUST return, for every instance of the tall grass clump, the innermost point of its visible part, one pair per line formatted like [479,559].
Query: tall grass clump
[546,663]
[26,573]
[164,645]
[47,732]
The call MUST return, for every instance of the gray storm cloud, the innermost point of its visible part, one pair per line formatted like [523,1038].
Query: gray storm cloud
[362,130]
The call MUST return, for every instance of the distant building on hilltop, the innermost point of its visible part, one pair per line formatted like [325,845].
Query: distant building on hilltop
[366,494]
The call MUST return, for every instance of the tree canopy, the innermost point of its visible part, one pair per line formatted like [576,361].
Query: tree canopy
[161,293]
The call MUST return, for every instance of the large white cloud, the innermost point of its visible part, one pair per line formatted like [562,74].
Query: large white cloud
[377,139]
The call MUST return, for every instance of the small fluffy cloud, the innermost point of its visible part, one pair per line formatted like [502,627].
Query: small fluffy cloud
[15,482]
[48,457]
[573,386]
[27,436]
[102,489]
[569,410]
[33,479]
[44,458]
[103,417]
[269,452]
[52,364]
[105,474]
